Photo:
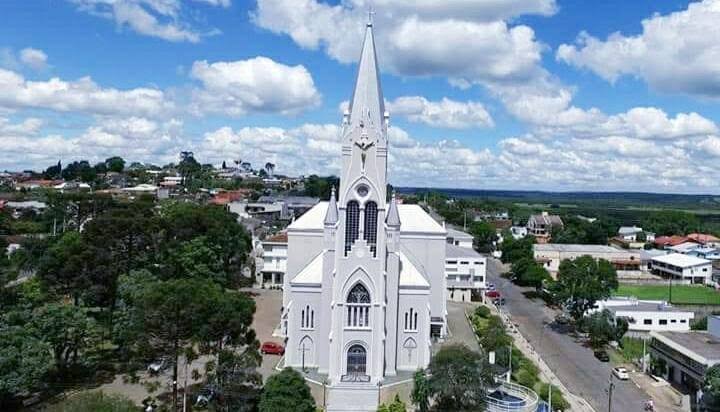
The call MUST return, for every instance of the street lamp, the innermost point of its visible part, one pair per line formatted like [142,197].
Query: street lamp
[609,391]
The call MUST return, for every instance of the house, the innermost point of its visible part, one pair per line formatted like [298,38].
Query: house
[36,184]
[629,233]
[274,258]
[465,270]
[683,267]
[542,225]
[646,256]
[550,255]
[686,356]
[296,205]
[459,238]
[663,242]
[646,315]
[71,186]
[684,247]
[704,252]
[704,239]
[518,232]
[28,206]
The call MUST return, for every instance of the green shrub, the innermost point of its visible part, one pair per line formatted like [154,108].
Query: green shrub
[558,400]
[482,312]
[96,402]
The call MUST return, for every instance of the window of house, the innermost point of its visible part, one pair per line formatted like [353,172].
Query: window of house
[663,321]
[683,320]
[647,321]
[673,320]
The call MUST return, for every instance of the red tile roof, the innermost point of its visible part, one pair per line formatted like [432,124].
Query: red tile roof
[281,237]
[702,238]
[673,240]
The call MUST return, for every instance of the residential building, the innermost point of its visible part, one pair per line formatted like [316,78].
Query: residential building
[684,247]
[296,205]
[704,239]
[518,232]
[703,252]
[465,270]
[664,242]
[541,226]
[687,355]
[629,233]
[550,255]
[684,267]
[274,258]
[364,292]
[459,238]
[646,315]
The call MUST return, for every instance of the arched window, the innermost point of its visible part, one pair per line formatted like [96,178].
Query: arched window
[352,224]
[307,318]
[302,318]
[411,317]
[358,307]
[371,222]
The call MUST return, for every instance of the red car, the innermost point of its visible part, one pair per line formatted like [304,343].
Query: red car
[272,348]
[492,294]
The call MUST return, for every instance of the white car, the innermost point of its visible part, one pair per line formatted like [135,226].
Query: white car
[621,373]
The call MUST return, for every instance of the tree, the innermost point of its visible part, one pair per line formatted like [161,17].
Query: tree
[224,166]
[269,168]
[115,164]
[286,391]
[603,328]
[483,236]
[583,281]
[96,402]
[67,330]
[459,379]
[24,361]
[188,166]
[64,267]
[53,172]
[395,406]
[493,336]
[711,389]
[421,391]
[516,249]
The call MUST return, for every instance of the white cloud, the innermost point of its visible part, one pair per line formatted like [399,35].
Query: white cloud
[444,113]
[82,95]
[411,45]
[34,58]
[710,145]
[255,85]
[164,19]
[678,52]
[29,126]
[480,10]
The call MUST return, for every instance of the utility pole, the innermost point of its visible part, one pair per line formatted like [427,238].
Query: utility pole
[185,388]
[610,391]
[644,366]
[550,398]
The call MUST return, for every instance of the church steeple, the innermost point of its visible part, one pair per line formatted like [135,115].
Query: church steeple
[367,101]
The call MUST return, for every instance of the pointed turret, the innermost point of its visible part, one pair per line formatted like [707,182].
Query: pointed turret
[393,216]
[367,103]
[331,216]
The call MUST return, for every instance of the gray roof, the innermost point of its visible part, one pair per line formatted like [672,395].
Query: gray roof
[629,230]
[452,251]
[646,307]
[547,219]
[290,200]
[561,247]
[458,234]
[699,342]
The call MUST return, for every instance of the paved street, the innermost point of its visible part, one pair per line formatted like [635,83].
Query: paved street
[267,318]
[572,362]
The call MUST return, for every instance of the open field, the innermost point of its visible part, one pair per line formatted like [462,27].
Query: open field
[681,294]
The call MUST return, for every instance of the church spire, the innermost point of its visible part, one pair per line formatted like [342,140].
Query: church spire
[367,103]
[331,217]
[393,216]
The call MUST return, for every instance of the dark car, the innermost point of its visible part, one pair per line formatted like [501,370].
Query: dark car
[602,356]
[272,348]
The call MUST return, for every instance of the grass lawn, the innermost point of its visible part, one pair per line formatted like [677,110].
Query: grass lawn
[681,294]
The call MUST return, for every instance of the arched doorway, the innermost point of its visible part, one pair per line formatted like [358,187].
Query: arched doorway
[356,361]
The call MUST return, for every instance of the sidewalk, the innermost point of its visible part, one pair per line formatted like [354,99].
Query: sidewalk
[577,404]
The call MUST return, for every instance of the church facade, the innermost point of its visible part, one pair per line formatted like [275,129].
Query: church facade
[364,292]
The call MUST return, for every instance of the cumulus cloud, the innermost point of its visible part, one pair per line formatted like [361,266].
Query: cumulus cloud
[29,126]
[34,58]
[82,95]
[444,113]
[254,85]
[677,53]
[164,19]
[412,45]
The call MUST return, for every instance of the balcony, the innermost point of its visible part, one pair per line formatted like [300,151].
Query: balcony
[510,397]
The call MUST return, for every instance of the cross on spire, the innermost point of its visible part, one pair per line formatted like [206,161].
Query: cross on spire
[371,13]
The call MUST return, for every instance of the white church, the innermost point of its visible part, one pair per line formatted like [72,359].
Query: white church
[364,294]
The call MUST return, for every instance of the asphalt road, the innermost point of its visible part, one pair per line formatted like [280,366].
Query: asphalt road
[574,364]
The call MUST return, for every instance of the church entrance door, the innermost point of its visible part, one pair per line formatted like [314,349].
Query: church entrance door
[356,361]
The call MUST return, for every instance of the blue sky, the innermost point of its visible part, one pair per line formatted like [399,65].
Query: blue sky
[516,94]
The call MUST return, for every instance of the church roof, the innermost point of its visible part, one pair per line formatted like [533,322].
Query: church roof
[311,274]
[410,275]
[367,95]
[414,220]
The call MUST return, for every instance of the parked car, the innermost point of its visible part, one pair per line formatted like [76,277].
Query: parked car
[492,294]
[602,356]
[499,302]
[272,348]
[490,286]
[621,373]
[158,366]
